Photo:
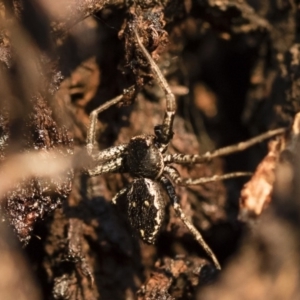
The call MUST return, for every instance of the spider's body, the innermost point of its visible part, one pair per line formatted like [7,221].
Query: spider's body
[143,158]
[145,208]
[146,161]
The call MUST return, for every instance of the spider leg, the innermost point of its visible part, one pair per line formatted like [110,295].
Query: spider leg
[197,159]
[91,144]
[197,235]
[175,176]
[163,132]
[91,133]
[107,167]
[109,153]
[119,194]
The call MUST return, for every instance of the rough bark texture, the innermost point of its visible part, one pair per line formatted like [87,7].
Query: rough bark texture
[234,67]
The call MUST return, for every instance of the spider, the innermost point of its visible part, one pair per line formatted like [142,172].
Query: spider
[146,160]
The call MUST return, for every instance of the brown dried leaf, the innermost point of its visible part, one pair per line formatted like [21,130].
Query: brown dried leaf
[256,193]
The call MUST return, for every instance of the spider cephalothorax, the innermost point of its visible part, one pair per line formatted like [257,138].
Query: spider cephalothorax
[145,158]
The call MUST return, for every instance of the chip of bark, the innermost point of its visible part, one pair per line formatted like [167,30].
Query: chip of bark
[150,23]
[74,253]
[175,278]
[4,134]
[31,200]
[240,16]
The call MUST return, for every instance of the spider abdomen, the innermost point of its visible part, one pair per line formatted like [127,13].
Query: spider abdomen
[146,208]
[143,157]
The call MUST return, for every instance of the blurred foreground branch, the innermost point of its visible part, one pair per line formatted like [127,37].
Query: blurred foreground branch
[16,281]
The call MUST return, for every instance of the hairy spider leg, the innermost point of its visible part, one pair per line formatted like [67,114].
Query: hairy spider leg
[163,132]
[109,153]
[109,166]
[91,145]
[111,158]
[177,179]
[197,235]
[197,159]
[91,133]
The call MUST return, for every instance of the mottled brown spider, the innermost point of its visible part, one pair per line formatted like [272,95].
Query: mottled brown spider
[146,160]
